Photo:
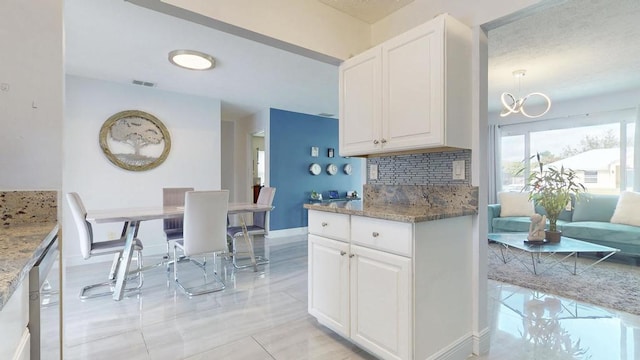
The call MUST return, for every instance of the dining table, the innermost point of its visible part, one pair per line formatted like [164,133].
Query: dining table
[131,217]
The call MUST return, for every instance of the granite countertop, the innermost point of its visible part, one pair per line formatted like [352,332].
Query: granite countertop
[402,213]
[408,203]
[20,247]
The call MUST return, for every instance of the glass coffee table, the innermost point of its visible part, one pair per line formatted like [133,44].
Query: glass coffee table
[544,252]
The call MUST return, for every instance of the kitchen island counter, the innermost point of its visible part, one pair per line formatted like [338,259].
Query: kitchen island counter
[20,247]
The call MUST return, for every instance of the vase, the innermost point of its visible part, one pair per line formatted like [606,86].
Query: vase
[552,236]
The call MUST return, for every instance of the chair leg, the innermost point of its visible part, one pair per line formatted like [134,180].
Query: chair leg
[260,260]
[191,291]
[112,281]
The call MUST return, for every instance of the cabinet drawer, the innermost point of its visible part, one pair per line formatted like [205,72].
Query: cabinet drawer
[330,225]
[392,236]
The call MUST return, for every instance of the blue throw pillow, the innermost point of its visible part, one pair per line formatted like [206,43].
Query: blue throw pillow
[595,207]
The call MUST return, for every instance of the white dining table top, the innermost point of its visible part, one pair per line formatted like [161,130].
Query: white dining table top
[160,212]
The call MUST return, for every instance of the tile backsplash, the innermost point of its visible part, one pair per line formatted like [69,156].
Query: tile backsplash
[420,169]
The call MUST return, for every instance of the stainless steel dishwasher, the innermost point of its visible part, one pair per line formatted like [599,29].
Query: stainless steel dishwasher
[44,305]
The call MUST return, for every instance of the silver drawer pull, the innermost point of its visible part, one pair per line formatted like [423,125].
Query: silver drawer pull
[343,253]
[324,224]
[352,255]
[375,234]
[376,142]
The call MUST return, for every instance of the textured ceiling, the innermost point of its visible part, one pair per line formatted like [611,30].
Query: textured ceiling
[369,11]
[576,49]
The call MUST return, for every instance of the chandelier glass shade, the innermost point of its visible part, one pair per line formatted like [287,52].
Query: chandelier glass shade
[513,105]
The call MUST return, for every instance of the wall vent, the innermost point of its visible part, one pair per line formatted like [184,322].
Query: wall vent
[143,83]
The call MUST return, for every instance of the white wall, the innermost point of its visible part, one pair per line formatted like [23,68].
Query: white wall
[228,158]
[307,24]
[323,30]
[31,102]
[194,160]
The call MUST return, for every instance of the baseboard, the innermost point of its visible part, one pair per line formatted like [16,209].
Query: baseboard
[287,232]
[459,349]
[482,342]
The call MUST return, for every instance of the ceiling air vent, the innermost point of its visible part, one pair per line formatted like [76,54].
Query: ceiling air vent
[143,83]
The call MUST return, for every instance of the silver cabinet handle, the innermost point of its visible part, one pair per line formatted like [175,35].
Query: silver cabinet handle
[324,224]
[376,142]
[351,255]
[384,141]
[375,234]
[343,253]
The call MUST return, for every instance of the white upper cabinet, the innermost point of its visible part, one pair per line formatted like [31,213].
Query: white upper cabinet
[360,81]
[412,92]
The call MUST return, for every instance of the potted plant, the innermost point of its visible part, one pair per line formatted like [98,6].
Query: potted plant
[552,189]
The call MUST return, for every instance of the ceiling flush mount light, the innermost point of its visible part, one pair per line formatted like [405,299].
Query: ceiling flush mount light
[192,60]
[514,106]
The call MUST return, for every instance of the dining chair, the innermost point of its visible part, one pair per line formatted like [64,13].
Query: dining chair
[173,227]
[260,227]
[205,221]
[89,248]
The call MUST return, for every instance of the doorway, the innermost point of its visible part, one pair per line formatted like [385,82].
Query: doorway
[258,163]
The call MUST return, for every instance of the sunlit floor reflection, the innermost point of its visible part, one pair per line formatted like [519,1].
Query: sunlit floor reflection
[527,324]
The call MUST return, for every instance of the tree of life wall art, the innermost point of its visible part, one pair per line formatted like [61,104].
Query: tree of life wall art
[135,140]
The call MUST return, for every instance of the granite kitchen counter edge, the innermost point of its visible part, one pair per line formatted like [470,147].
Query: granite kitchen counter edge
[20,247]
[407,214]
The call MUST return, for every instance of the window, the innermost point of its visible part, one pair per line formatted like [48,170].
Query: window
[511,162]
[590,177]
[599,147]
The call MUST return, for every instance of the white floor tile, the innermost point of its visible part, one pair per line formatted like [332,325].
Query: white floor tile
[263,315]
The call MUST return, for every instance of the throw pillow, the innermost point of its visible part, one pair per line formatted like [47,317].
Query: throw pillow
[627,210]
[595,207]
[515,204]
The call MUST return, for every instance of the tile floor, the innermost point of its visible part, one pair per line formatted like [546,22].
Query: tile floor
[263,315]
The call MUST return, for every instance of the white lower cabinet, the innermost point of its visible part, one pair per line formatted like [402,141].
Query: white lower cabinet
[380,302]
[329,283]
[398,290]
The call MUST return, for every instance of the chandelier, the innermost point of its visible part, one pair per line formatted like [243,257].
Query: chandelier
[515,106]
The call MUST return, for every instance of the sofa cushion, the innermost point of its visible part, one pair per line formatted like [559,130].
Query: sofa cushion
[614,235]
[517,224]
[628,209]
[565,215]
[515,204]
[595,207]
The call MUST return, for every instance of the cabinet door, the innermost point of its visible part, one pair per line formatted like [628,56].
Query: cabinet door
[360,104]
[329,283]
[381,302]
[413,85]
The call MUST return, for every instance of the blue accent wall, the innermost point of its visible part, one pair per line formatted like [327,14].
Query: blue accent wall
[291,137]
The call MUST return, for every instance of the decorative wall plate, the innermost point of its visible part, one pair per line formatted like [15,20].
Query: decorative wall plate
[135,140]
[315,169]
[332,169]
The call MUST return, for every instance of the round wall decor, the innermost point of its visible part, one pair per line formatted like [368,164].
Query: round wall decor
[315,169]
[135,140]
